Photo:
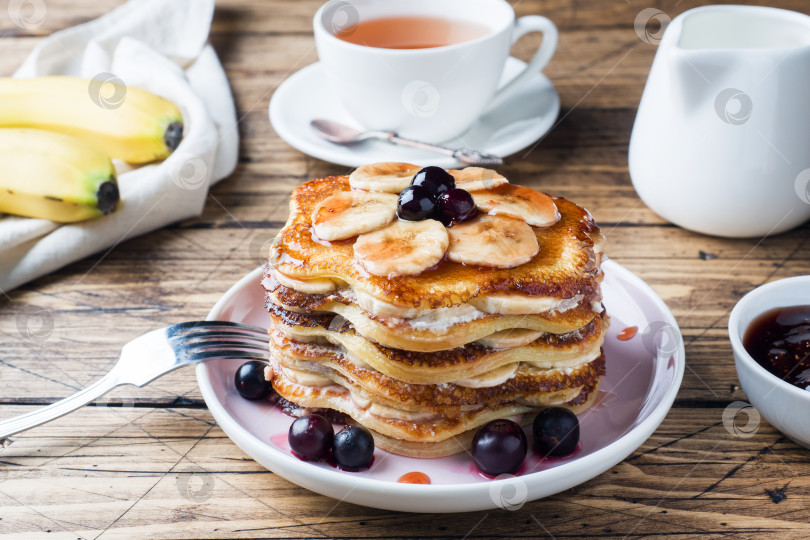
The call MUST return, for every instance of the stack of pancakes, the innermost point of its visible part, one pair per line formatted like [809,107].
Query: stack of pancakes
[423,360]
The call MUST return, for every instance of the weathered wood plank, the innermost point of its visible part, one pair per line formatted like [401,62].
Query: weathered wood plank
[158,467]
[156,473]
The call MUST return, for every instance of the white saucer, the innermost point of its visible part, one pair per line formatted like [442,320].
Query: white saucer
[643,377]
[504,130]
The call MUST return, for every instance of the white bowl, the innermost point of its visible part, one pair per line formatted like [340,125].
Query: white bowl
[783,405]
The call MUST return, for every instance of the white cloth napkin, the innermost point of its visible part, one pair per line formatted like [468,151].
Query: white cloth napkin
[161,46]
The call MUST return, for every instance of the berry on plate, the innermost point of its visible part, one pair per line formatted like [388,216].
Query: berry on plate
[555,432]
[353,448]
[310,437]
[250,381]
[499,447]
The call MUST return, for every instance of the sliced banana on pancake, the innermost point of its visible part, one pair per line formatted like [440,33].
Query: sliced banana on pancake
[307,286]
[496,241]
[477,178]
[494,377]
[531,206]
[350,213]
[508,339]
[403,248]
[386,177]
[513,303]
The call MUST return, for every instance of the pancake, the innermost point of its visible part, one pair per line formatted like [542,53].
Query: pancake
[429,335]
[424,329]
[427,438]
[547,351]
[320,365]
[566,265]
[443,335]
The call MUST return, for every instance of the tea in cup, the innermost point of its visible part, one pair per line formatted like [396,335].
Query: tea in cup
[426,69]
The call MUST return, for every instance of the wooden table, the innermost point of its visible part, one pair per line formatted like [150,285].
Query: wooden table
[160,466]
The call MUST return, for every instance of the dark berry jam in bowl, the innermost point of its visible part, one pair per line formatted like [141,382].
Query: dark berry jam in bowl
[769,330]
[779,341]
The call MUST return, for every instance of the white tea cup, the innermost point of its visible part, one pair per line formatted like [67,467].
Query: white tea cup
[432,94]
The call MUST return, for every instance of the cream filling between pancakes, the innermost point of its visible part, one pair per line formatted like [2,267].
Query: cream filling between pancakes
[494,377]
[507,303]
[316,375]
[375,415]
[361,403]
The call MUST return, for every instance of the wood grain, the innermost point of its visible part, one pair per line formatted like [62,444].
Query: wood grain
[164,472]
[151,463]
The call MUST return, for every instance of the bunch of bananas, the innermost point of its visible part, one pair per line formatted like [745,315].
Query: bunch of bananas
[58,136]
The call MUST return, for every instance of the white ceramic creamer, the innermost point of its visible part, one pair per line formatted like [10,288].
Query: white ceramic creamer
[721,142]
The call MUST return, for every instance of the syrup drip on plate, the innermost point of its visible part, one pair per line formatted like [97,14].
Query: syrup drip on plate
[628,333]
[414,477]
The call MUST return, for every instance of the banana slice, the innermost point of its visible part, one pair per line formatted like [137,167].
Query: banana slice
[387,177]
[531,206]
[477,178]
[513,303]
[403,248]
[491,378]
[507,339]
[307,286]
[497,241]
[350,213]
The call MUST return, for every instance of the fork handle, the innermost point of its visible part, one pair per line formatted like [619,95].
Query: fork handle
[60,408]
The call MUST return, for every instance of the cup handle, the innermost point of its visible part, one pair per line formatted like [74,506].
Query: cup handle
[524,25]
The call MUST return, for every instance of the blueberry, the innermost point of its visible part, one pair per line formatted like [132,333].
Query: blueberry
[435,179]
[353,448]
[250,382]
[415,204]
[310,437]
[499,447]
[555,432]
[455,205]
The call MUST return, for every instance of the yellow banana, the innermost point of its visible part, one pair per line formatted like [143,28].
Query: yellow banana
[53,176]
[128,123]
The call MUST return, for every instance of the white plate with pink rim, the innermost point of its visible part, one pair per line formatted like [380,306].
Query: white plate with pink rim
[502,130]
[643,377]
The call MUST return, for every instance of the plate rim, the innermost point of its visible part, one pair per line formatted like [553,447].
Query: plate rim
[425,496]
[341,156]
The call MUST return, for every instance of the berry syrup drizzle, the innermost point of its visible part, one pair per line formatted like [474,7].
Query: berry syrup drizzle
[628,333]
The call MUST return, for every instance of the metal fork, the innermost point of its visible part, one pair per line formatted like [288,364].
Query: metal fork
[151,355]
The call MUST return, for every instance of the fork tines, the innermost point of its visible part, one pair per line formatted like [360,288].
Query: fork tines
[200,340]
